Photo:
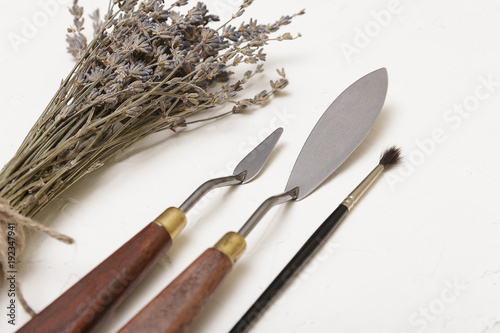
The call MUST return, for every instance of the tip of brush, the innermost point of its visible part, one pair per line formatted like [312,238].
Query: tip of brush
[390,157]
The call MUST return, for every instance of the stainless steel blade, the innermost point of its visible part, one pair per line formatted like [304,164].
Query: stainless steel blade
[339,132]
[245,171]
[255,160]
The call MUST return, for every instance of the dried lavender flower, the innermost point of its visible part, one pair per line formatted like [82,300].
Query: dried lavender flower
[148,68]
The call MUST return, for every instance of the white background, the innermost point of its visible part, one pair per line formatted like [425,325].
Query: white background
[420,253]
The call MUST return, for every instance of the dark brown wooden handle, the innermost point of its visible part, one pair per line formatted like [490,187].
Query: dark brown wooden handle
[95,296]
[175,308]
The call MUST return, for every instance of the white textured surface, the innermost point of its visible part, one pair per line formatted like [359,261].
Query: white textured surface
[421,252]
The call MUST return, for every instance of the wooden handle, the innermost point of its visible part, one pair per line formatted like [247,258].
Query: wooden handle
[92,299]
[175,308]
[178,305]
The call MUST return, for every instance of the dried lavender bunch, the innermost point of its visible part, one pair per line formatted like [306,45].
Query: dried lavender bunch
[147,68]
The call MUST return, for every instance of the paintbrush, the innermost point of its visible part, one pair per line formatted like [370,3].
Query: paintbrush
[390,157]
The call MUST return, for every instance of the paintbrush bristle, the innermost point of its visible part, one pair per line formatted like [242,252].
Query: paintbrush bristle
[390,157]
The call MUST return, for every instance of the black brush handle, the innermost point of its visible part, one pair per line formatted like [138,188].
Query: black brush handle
[291,269]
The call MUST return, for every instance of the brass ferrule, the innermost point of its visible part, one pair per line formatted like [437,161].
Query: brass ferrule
[358,192]
[232,245]
[173,220]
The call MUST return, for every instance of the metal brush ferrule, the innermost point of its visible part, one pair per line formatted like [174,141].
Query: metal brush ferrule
[358,192]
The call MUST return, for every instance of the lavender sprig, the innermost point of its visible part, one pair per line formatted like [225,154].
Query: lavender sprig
[147,68]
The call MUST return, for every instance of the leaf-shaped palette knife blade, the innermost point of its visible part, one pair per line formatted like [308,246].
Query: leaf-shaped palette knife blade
[339,131]
[92,299]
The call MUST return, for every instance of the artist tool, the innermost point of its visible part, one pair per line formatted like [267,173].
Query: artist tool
[336,135]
